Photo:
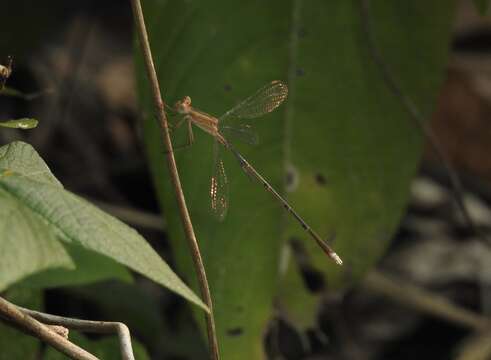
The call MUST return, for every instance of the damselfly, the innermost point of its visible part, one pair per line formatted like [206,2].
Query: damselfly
[265,100]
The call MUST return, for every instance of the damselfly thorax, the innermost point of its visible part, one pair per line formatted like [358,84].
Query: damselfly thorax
[204,121]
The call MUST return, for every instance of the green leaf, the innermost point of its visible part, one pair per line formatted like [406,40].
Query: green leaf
[21,158]
[357,185]
[24,123]
[15,344]
[28,245]
[74,220]
[348,142]
[32,246]
[482,6]
[90,267]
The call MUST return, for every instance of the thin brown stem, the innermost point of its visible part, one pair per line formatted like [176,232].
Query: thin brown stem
[171,162]
[25,322]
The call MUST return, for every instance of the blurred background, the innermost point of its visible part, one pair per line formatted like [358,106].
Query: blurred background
[430,294]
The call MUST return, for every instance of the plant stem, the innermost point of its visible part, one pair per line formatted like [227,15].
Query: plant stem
[99,327]
[11,313]
[171,162]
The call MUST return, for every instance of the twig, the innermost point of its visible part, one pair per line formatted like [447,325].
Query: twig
[27,323]
[171,162]
[417,117]
[100,327]
[422,300]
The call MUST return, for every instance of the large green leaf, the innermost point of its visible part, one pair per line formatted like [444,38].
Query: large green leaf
[90,267]
[27,244]
[25,180]
[31,247]
[370,144]
[347,140]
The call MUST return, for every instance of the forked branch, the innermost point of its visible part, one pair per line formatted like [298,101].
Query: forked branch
[53,330]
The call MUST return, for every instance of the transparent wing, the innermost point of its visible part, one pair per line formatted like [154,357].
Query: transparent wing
[265,100]
[218,186]
[242,132]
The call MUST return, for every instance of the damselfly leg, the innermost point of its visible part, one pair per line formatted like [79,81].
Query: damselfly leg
[174,127]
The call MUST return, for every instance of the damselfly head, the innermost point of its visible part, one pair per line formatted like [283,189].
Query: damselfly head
[183,106]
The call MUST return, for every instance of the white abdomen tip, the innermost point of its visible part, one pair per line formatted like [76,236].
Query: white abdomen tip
[336,258]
